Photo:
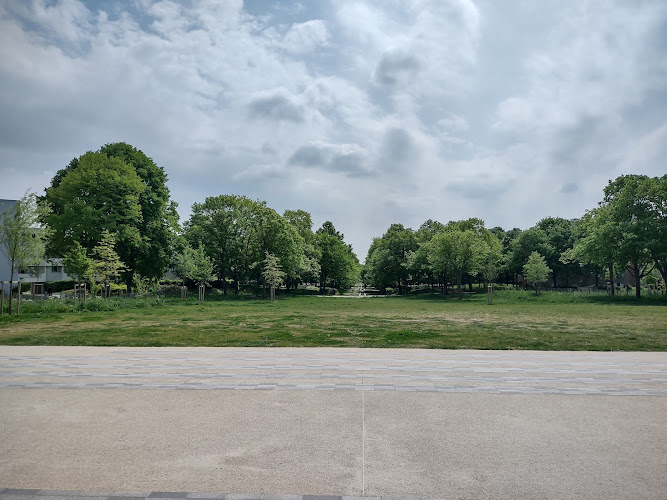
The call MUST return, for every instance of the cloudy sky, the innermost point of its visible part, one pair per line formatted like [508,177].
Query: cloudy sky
[364,113]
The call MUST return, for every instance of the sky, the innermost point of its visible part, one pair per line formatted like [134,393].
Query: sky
[364,113]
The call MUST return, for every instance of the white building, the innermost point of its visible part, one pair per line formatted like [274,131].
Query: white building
[45,272]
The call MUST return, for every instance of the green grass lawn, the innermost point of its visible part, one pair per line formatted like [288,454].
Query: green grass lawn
[517,320]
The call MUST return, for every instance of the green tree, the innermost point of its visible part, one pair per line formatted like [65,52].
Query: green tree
[656,196]
[77,264]
[310,269]
[224,226]
[536,270]
[453,253]
[20,239]
[418,263]
[561,235]
[506,238]
[387,263]
[596,246]
[634,207]
[107,265]
[121,190]
[236,232]
[339,266]
[194,265]
[526,242]
[272,273]
[464,248]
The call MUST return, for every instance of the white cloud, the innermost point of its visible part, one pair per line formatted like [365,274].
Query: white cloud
[365,113]
[305,37]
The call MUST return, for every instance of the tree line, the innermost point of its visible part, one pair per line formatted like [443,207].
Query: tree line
[627,230]
[108,213]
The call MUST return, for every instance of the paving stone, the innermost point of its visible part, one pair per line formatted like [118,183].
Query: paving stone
[207,496]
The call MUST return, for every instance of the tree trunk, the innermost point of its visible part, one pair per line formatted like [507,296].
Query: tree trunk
[235,278]
[611,279]
[11,286]
[638,286]
[459,280]
[129,276]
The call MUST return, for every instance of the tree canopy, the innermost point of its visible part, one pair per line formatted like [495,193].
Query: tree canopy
[121,190]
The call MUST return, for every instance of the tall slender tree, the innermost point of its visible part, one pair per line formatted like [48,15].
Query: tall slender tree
[20,237]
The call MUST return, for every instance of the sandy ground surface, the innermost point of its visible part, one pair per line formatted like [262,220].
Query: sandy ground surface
[408,423]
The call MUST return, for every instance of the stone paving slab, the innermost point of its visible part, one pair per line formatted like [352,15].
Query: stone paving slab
[292,424]
[245,369]
[33,494]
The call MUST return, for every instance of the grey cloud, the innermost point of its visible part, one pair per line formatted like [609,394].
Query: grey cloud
[346,158]
[309,156]
[480,188]
[569,187]
[397,150]
[396,67]
[578,146]
[276,107]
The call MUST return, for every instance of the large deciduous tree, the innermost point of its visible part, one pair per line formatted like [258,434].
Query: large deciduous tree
[310,269]
[387,263]
[121,190]
[636,209]
[561,235]
[236,232]
[339,266]
[464,247]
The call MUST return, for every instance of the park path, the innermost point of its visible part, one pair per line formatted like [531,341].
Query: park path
[339,422]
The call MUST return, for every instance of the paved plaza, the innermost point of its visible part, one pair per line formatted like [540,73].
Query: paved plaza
[261,423]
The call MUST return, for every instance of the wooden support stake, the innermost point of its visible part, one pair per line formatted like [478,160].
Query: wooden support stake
[2,298]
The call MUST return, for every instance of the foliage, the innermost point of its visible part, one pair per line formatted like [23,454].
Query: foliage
[464,247]
[235,233]
[77,264]
[194,265]
[272,273]
[339,267]
[531,240]
[20,239]
[309,271]
[536,270]
[389,258]
[628,229]
[561,235]
[121,190]
[106,266]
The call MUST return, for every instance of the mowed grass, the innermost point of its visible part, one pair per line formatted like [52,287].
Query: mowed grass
[517,320]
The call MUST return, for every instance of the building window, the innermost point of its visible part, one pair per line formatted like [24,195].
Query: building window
[56,269]
[23,271]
